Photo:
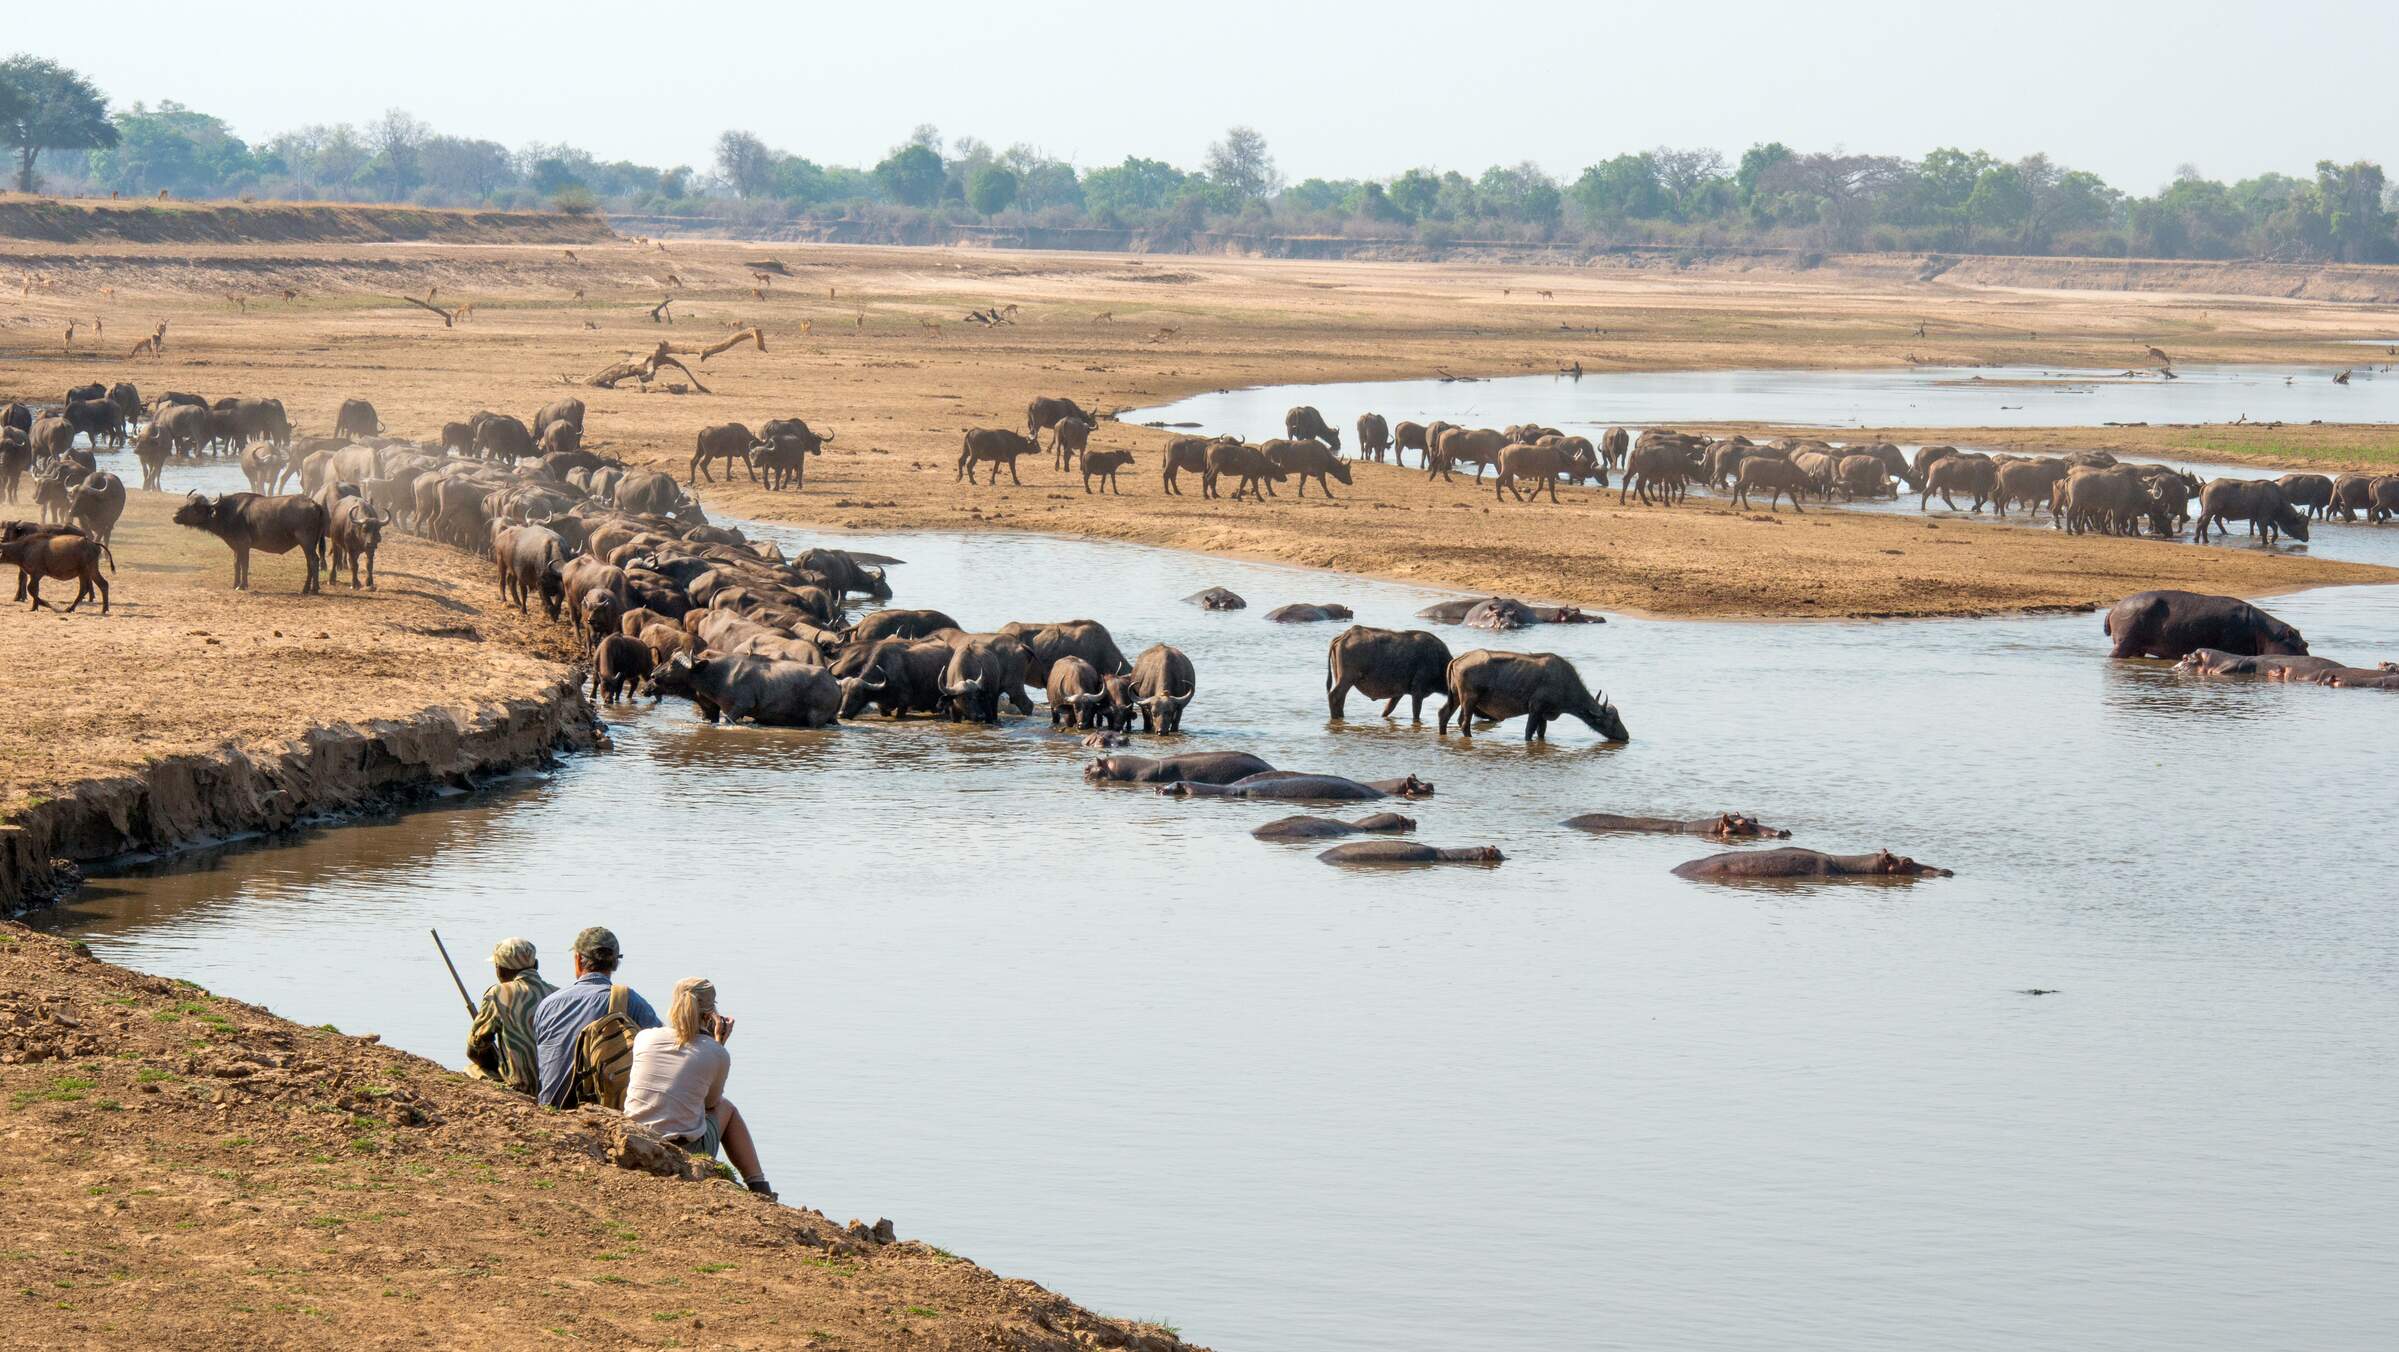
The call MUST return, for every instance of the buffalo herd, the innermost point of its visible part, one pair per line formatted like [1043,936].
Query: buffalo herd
[663,601]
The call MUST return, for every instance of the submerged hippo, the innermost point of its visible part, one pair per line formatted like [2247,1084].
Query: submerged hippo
[1199,767]
[1288,784]
[1408,852]
[1792,862]
[1505,612]
[1321,828]
[1217,598]
[2217,662]
[1101,741]
[2384,677]
[1722,826]
[1307,614]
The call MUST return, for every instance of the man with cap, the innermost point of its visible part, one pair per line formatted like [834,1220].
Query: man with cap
[500,1045]
[567,1011]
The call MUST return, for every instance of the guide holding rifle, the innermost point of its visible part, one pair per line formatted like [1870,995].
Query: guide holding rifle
[500,1046]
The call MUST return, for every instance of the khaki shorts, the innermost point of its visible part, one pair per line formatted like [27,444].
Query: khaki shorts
[711,1140]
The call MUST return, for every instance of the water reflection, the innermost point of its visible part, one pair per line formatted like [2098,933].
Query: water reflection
[1094,1036]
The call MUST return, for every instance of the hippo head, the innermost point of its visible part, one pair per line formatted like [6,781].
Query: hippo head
[1412,787]
[1900,866]
[1102,740]
[1178,789]
[1113,769]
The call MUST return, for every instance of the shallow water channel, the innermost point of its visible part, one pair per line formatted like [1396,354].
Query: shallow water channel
[1108,1041]
[1907,396]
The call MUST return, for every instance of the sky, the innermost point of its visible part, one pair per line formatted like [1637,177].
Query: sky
[2128,91]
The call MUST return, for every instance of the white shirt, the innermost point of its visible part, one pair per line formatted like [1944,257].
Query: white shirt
[671,1087]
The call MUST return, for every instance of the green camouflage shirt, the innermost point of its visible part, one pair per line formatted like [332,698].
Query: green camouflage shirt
[500,1046]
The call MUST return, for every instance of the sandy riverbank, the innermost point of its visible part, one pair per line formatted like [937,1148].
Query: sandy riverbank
[191,710]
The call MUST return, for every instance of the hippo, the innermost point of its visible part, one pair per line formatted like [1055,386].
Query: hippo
[1286,784]
[1101,741]
[1199,767]
[2217,662]
[2170,624]
[1320,828]
[1500,612]
[2384,677]
[1722,826]
[1508,608]
[1217,598]
[1408,852]
[1307,614]
[1792,862]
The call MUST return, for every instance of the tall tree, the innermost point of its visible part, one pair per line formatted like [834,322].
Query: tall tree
[48,107]
[745,164]
[991,188]
[1241,165]
[912,174]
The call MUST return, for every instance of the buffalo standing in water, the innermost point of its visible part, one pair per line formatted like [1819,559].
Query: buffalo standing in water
[1408,852]
[1792,862]
[1321,828]
[1304,423]
[1722,826]
[1159,689]
[2169,624]
[2260,502]
[1385,664]
[1537,687]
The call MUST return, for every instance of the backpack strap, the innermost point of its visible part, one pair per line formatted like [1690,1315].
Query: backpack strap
[619,999]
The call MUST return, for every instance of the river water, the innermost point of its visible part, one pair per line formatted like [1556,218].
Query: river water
[1106,1040]
[1920,396]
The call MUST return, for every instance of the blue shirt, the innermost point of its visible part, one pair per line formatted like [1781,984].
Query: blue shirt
[566,1012]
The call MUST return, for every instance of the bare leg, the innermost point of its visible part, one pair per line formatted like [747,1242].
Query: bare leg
[740,1151]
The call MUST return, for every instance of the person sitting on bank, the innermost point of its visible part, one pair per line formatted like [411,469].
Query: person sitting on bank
[559,1023]
[500,1045]
[678,1083]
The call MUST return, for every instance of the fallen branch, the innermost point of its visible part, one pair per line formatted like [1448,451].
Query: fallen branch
[644,370]
[658,314]
[750,335]
[448,320]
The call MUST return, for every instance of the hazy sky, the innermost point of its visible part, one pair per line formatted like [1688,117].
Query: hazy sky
[2129,91]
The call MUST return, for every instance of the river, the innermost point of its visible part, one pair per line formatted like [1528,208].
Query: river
[1908,396]
[1108,1041]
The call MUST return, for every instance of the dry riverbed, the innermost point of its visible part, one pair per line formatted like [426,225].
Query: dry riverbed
[871,342]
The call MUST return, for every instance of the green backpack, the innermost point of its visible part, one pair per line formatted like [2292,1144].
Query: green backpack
[604,1054]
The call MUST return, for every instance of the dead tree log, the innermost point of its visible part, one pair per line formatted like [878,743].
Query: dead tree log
[750,335]
[448,318]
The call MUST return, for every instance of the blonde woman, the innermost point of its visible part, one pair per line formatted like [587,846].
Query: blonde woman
[677,1087]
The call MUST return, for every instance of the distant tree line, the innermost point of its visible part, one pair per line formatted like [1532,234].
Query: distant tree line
[66,138]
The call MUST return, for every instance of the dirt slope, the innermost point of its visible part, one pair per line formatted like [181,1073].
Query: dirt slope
[167,222]
[179,1169]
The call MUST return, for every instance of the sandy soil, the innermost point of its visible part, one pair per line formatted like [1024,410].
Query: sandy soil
[849,345]
[185,1170]
[183,663]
